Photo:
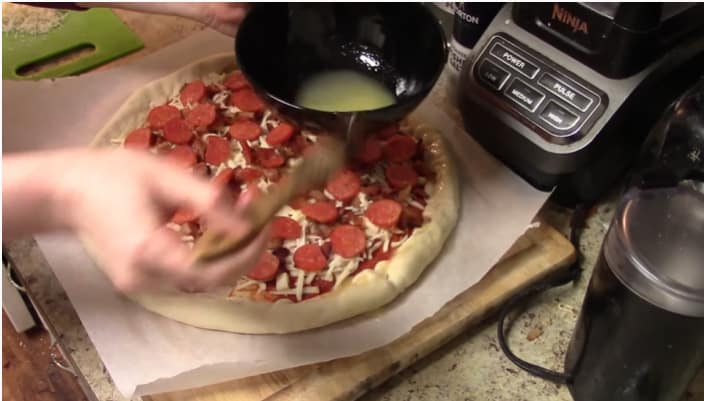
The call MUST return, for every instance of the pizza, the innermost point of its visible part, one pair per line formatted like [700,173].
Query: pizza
[338,251]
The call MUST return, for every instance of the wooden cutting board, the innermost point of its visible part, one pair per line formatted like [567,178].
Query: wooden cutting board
[540,252]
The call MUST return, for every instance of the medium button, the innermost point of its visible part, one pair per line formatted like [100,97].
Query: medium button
[514,60]
[492,74]
[558,116]
[565,91]
[524,95]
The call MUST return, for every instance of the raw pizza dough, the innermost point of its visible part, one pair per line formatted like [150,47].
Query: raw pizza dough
[364,292]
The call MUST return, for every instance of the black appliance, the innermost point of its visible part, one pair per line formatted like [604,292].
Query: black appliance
[565,93]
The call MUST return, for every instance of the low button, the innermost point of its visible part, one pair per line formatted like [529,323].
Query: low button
[492,74]
[565,91]
[558,117]
[524,95]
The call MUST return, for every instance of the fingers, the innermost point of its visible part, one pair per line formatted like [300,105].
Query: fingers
[164,261]
[227,270]
[177,189]
[224,17]
[158,255]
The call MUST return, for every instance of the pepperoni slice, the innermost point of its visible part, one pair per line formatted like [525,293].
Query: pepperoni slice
[247,100]
[401,175]
[370,151]
[285,228]
[281,134]
[320,211]
[384,213]
[160,115]
[298,202]
[269,158]
[266,268]
[177,132]
[399,148]
[323,285]
[388,132]
[139,139]
[193,92]
[182,155]
[411,217]
[183,216]
[247,151]
[248,174]
[348,241]
[371,190]
[245,130]
[224,178]
[217,150]
[310,258]
[201,116]
[344,185]
[378,256]
[236,81]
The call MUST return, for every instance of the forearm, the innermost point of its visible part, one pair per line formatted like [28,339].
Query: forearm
[31,198]
[187,10]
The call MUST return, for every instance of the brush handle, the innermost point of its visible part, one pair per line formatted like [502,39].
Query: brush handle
[327,156]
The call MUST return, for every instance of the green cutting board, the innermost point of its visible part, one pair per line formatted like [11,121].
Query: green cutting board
[109,37]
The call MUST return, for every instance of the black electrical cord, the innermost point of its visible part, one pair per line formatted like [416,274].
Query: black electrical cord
[563,277]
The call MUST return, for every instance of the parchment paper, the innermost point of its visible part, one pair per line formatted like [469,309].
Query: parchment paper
[145,353]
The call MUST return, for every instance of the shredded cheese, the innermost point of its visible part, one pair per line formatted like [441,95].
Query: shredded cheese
[309,136]
[17,18]
[213,78]
[262,143]
[300,281]
[246,282]
[310,277]
[374,232]
[415,204]
[294,161]
[282,282]
[220,98]
[296,292]
[176,102]
[237,159]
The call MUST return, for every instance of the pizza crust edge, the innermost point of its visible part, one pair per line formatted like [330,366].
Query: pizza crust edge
[362,293]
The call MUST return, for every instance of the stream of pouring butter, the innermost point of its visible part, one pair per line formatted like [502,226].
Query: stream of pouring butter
[345,91]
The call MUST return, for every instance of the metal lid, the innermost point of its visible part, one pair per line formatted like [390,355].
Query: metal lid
[655,247]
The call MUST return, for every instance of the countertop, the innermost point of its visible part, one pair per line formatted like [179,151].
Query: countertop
[472,367]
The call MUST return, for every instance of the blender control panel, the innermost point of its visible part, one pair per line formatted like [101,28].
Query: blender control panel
[556,103]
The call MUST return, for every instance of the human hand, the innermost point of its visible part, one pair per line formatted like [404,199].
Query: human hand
[119,202]
[223,17]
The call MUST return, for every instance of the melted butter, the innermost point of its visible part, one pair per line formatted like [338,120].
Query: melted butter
[343,90]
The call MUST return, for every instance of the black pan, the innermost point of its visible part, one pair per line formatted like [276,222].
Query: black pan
[401,45]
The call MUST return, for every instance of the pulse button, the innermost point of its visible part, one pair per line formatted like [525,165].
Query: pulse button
[514,60]
[558,117]
[565,91]
[524,95]
[492,74]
